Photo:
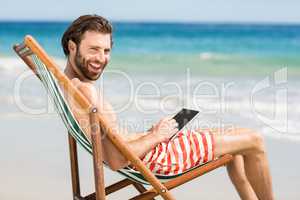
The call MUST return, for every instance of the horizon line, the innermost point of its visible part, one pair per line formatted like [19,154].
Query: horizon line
[160,21]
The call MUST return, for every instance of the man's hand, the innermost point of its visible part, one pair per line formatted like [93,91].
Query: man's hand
[164,129]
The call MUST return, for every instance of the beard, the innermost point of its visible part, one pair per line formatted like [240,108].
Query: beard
[83,66]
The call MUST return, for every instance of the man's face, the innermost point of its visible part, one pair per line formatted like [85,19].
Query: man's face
[93,54]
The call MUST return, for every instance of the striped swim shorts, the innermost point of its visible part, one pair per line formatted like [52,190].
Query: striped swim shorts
[187,150]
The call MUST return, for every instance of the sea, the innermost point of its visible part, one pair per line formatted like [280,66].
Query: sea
[235,74]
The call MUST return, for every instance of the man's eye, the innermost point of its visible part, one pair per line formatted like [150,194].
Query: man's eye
[106,51]
[93,50]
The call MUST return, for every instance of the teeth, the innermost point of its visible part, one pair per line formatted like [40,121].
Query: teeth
[95,66]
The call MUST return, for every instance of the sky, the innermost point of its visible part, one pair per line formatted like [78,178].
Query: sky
[261,11]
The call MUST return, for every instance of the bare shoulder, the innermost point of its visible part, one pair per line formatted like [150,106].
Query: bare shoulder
[84,86]
[96,97]
[87,89]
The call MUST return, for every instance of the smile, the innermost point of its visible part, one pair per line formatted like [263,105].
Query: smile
[95,67]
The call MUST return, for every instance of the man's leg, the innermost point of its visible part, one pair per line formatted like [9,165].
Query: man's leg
[236,172]
[249,144]
[235,168]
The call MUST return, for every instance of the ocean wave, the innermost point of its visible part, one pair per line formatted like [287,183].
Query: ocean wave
[18,115]
[142,107]
[14,65]
[271,133]
[207,56]
[10,65]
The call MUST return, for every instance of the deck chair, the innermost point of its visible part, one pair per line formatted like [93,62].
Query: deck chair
[52,78]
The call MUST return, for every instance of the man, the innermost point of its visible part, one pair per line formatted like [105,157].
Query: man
[87,44]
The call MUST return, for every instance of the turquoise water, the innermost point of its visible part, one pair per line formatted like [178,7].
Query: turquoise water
[214,49]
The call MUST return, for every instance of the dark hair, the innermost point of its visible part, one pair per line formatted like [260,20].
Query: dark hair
[81,25]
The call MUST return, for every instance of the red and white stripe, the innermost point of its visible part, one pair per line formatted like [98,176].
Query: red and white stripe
[187,150]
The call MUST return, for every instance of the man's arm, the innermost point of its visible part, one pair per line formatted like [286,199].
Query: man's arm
[139,144]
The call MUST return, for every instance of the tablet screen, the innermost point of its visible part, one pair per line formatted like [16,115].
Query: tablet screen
[184,116]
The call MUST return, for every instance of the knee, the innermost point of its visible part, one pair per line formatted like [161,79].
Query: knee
[258,142]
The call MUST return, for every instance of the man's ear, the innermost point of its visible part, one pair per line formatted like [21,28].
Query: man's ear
[71,46]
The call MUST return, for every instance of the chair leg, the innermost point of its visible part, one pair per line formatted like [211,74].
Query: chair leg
[97,155]
[140,188]
[117,186]
[74,167]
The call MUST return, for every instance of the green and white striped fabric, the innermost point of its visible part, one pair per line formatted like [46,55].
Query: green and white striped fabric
[72,125]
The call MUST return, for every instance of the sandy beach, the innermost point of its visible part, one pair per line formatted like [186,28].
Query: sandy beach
[35,163]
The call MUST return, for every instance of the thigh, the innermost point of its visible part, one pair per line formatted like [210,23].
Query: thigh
[234,141]
[229,130]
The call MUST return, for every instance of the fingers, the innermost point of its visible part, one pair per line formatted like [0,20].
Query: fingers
[175,130]
[168,119]
[168,123]
[174,123]
[166,128]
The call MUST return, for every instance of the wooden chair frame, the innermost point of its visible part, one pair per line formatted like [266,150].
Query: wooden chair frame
[29,47]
